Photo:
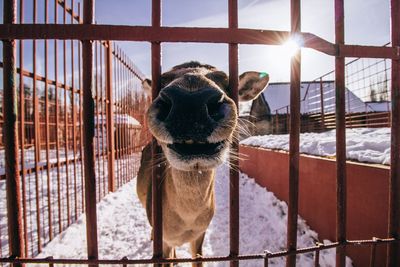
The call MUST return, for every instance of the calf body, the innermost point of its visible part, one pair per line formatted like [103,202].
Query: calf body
[193,120]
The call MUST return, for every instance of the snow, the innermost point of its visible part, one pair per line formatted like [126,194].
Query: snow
[118,119]
[31,205]
[123,229]
[370,145]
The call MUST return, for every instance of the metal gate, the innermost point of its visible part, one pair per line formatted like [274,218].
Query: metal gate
[88,33]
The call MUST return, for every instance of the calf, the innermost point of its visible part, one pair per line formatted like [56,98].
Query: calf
[193,120]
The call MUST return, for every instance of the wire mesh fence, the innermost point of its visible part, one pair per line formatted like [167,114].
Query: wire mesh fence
[50,126]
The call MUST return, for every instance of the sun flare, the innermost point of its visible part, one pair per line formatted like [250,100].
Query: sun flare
[290,47]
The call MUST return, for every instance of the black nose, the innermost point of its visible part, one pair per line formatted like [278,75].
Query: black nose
[190,115]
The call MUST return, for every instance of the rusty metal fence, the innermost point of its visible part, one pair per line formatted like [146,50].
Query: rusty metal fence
[48,99]
[368,94]
[87,32]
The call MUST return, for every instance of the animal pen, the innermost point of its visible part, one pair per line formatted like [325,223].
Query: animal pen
[77,126]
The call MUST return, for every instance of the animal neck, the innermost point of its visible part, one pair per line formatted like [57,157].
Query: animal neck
[193,184]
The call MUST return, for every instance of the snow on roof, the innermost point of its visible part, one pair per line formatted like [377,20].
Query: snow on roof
[118,119]
[379,106]
[277,96]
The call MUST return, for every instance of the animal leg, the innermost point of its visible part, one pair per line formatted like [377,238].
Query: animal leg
[197,249]
[168,252]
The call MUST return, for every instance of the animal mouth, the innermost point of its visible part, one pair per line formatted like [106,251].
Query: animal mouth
[191,148]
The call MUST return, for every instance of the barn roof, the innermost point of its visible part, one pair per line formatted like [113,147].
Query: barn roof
[277,96]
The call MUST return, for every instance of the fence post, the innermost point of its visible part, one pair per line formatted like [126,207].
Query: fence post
[294,133]
[394,193]
[88,134]
[110,119]
[10,133]
[340,138]
[321,92]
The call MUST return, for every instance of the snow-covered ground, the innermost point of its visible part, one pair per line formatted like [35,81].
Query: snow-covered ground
[370,145]
[123,229]
[35,202]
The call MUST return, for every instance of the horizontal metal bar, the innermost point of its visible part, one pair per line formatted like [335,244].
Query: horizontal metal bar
[183,34]
[278,254]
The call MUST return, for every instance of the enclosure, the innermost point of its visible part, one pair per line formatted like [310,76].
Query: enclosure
[89,120]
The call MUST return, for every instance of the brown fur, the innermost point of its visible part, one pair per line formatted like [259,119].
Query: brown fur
[188,199]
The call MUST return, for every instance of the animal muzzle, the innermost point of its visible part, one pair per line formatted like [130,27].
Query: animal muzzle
[191,117]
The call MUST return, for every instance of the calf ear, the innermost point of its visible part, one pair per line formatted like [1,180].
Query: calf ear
[251,84]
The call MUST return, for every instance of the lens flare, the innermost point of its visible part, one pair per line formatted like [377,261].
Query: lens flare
[290,47]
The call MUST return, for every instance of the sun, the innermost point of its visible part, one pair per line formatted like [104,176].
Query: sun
[290,47]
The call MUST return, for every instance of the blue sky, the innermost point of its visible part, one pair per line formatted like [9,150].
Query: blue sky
[366,22]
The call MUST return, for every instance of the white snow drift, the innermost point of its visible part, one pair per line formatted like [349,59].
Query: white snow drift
[370,145]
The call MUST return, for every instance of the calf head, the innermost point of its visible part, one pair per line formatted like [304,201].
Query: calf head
[193,118]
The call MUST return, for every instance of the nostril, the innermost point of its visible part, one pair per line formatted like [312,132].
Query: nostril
[164,106]
[214,108]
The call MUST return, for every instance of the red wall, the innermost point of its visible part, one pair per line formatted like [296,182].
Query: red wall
[367,195]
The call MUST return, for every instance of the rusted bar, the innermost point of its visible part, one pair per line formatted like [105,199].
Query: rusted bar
[295,83]
[117,107]
[373,253]
[66,122]
[340,137]
[46,91]
[97,120]
[354,243]
[81,119]
[73,91]
[156,170]
[22,128]
[37,134]
[233,172]
[317,254]
[103,103]
[10,135]
[110,118]
[394,195]
[88,123]
[57,124]
[321,92]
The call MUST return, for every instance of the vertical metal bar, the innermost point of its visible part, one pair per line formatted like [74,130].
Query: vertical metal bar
[97,120]
[46,90]
[88,114]
[66,121]
[57,123]
[156,171]
[22,127]
[103,118]
[373,254]
[103,148]
[394,197]
[321,91]
[10,131]
[340,137]
[73,115]
[125,114]
[81,117]
[120,71]
[37,134]
[294,131]
[233,172]
[116,90]
[110,118]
